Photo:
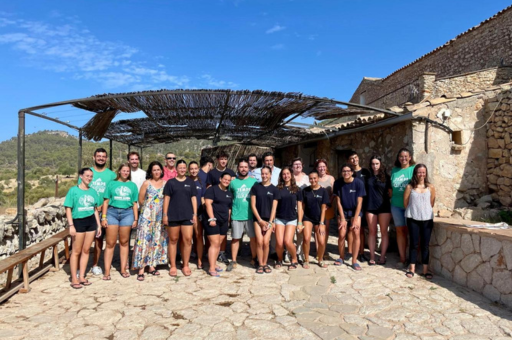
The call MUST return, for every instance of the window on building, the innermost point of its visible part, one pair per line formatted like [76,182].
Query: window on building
[362,99]
[457,137]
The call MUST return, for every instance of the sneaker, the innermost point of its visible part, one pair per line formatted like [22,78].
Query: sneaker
[96,270]
[232,265]
[223,258]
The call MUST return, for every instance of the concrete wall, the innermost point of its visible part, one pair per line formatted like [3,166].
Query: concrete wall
[476,258]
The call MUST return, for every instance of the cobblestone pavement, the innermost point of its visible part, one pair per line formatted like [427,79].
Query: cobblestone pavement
[333,303]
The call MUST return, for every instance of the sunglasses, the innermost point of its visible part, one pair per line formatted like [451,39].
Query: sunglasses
[171,158]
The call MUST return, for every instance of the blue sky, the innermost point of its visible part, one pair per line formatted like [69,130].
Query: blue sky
[58,50]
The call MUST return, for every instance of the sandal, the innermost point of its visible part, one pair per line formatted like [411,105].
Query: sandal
[267,269]
[125,275]
[278,264]
[259,270]
[140,277]
[186,271]
[154,272]
[293,265]
[213,273]
[76,286]
[218,269]
[356,266]
[372,263]
[339,262]
[409,274]
[86,283]
[173,273]
[322,264]
[305,265]
[428,276]
[382,263]
[106,278]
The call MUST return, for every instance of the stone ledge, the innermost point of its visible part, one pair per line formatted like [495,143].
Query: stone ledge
[458,225]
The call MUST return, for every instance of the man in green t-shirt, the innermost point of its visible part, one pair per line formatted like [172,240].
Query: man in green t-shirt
[241,213]
[100,179]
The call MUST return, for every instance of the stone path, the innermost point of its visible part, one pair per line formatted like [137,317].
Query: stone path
[333,303]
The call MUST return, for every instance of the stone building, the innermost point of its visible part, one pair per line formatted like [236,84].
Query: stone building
[454,113]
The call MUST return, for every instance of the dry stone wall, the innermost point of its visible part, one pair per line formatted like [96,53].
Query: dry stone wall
[475,259]
[499,144]
[44,219]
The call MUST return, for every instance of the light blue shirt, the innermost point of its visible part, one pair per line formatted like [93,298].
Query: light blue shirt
[275,175]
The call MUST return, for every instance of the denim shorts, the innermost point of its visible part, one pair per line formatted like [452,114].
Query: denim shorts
[398,216]
[286,222]
[120,217]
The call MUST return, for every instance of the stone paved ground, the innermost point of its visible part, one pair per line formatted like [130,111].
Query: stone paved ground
[333,303]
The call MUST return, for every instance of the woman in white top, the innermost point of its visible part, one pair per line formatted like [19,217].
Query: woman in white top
[419,198]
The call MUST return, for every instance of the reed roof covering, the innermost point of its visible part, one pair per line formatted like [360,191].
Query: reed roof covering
[253,117]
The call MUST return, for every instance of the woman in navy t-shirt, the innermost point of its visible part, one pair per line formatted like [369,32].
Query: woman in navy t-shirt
[264,197]
[198,243]
[218,202]
[179,216]
[288,211]
[378,208]
[315,200]
[349,192]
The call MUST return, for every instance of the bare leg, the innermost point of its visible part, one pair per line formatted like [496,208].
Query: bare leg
[174,235]
[98,246]
[308,226]
[372,236]
[124,247]
[342,233]
[199,243]
[253,245]
[384,220]
[279,241]
[320,243]
[288,242]
[86,249]
[111,239]
[78,242]
[401,239]
[355,238]
[213,251]
[235,246]
[259,242]
[186,232]
[266,248]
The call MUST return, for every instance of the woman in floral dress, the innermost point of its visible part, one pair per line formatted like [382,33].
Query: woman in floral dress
[151,244]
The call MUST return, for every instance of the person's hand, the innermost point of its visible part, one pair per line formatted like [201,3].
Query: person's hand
[263,225]
[342,223]
[98,233]
[213,223]
[72,231]
[300,228]
[104,223]
[321,229]
[355,225]
[134,224]
[194,220]
[273,227]
[165,220]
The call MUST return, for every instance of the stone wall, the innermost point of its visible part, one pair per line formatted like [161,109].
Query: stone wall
[455,85]
[44,219]
[499,143]
[476,258]
[484,47]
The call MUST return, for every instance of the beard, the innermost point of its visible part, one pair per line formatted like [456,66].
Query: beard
[100,166]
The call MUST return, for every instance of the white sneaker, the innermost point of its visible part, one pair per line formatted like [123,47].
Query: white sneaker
[96,270]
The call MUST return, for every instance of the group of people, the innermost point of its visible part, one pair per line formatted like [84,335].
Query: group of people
[185,208]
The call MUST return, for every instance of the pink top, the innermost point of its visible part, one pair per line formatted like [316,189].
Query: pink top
[169,174]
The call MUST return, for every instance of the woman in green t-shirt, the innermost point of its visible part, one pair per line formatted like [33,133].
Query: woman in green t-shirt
[84,224]
[401,175]
[119,216]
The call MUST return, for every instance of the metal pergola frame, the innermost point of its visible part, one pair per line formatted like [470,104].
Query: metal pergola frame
[20,217]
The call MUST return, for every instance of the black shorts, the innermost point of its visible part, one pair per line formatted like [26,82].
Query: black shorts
[307,219]
[86,224]
[381,210]
[220,229]
[179,223]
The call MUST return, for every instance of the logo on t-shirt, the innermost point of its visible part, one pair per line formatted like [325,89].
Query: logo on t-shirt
[227,196]
[318,196]
[186,185]
[400,182]
[351,191]
[243,192]
[87,203]
[98,185]
[122,193]
[269,193]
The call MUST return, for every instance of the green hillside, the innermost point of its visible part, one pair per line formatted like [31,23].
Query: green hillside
[51,153]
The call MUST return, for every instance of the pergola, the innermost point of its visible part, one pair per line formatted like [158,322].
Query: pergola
[248,117]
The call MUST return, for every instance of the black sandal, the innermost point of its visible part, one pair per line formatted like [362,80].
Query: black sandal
[140,277]
[267,269]
[259,270]
[293,265]
[428,276]
[409,274]
[278,264]
[154,273]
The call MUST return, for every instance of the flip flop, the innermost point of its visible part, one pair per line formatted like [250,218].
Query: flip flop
[356,267]
[125,275]
[214,274]
[86,283]
[218,269]
[76,286]
[339,262]
[106,278]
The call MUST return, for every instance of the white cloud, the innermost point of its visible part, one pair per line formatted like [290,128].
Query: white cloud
[275,29]
[278,47]
[210,81]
